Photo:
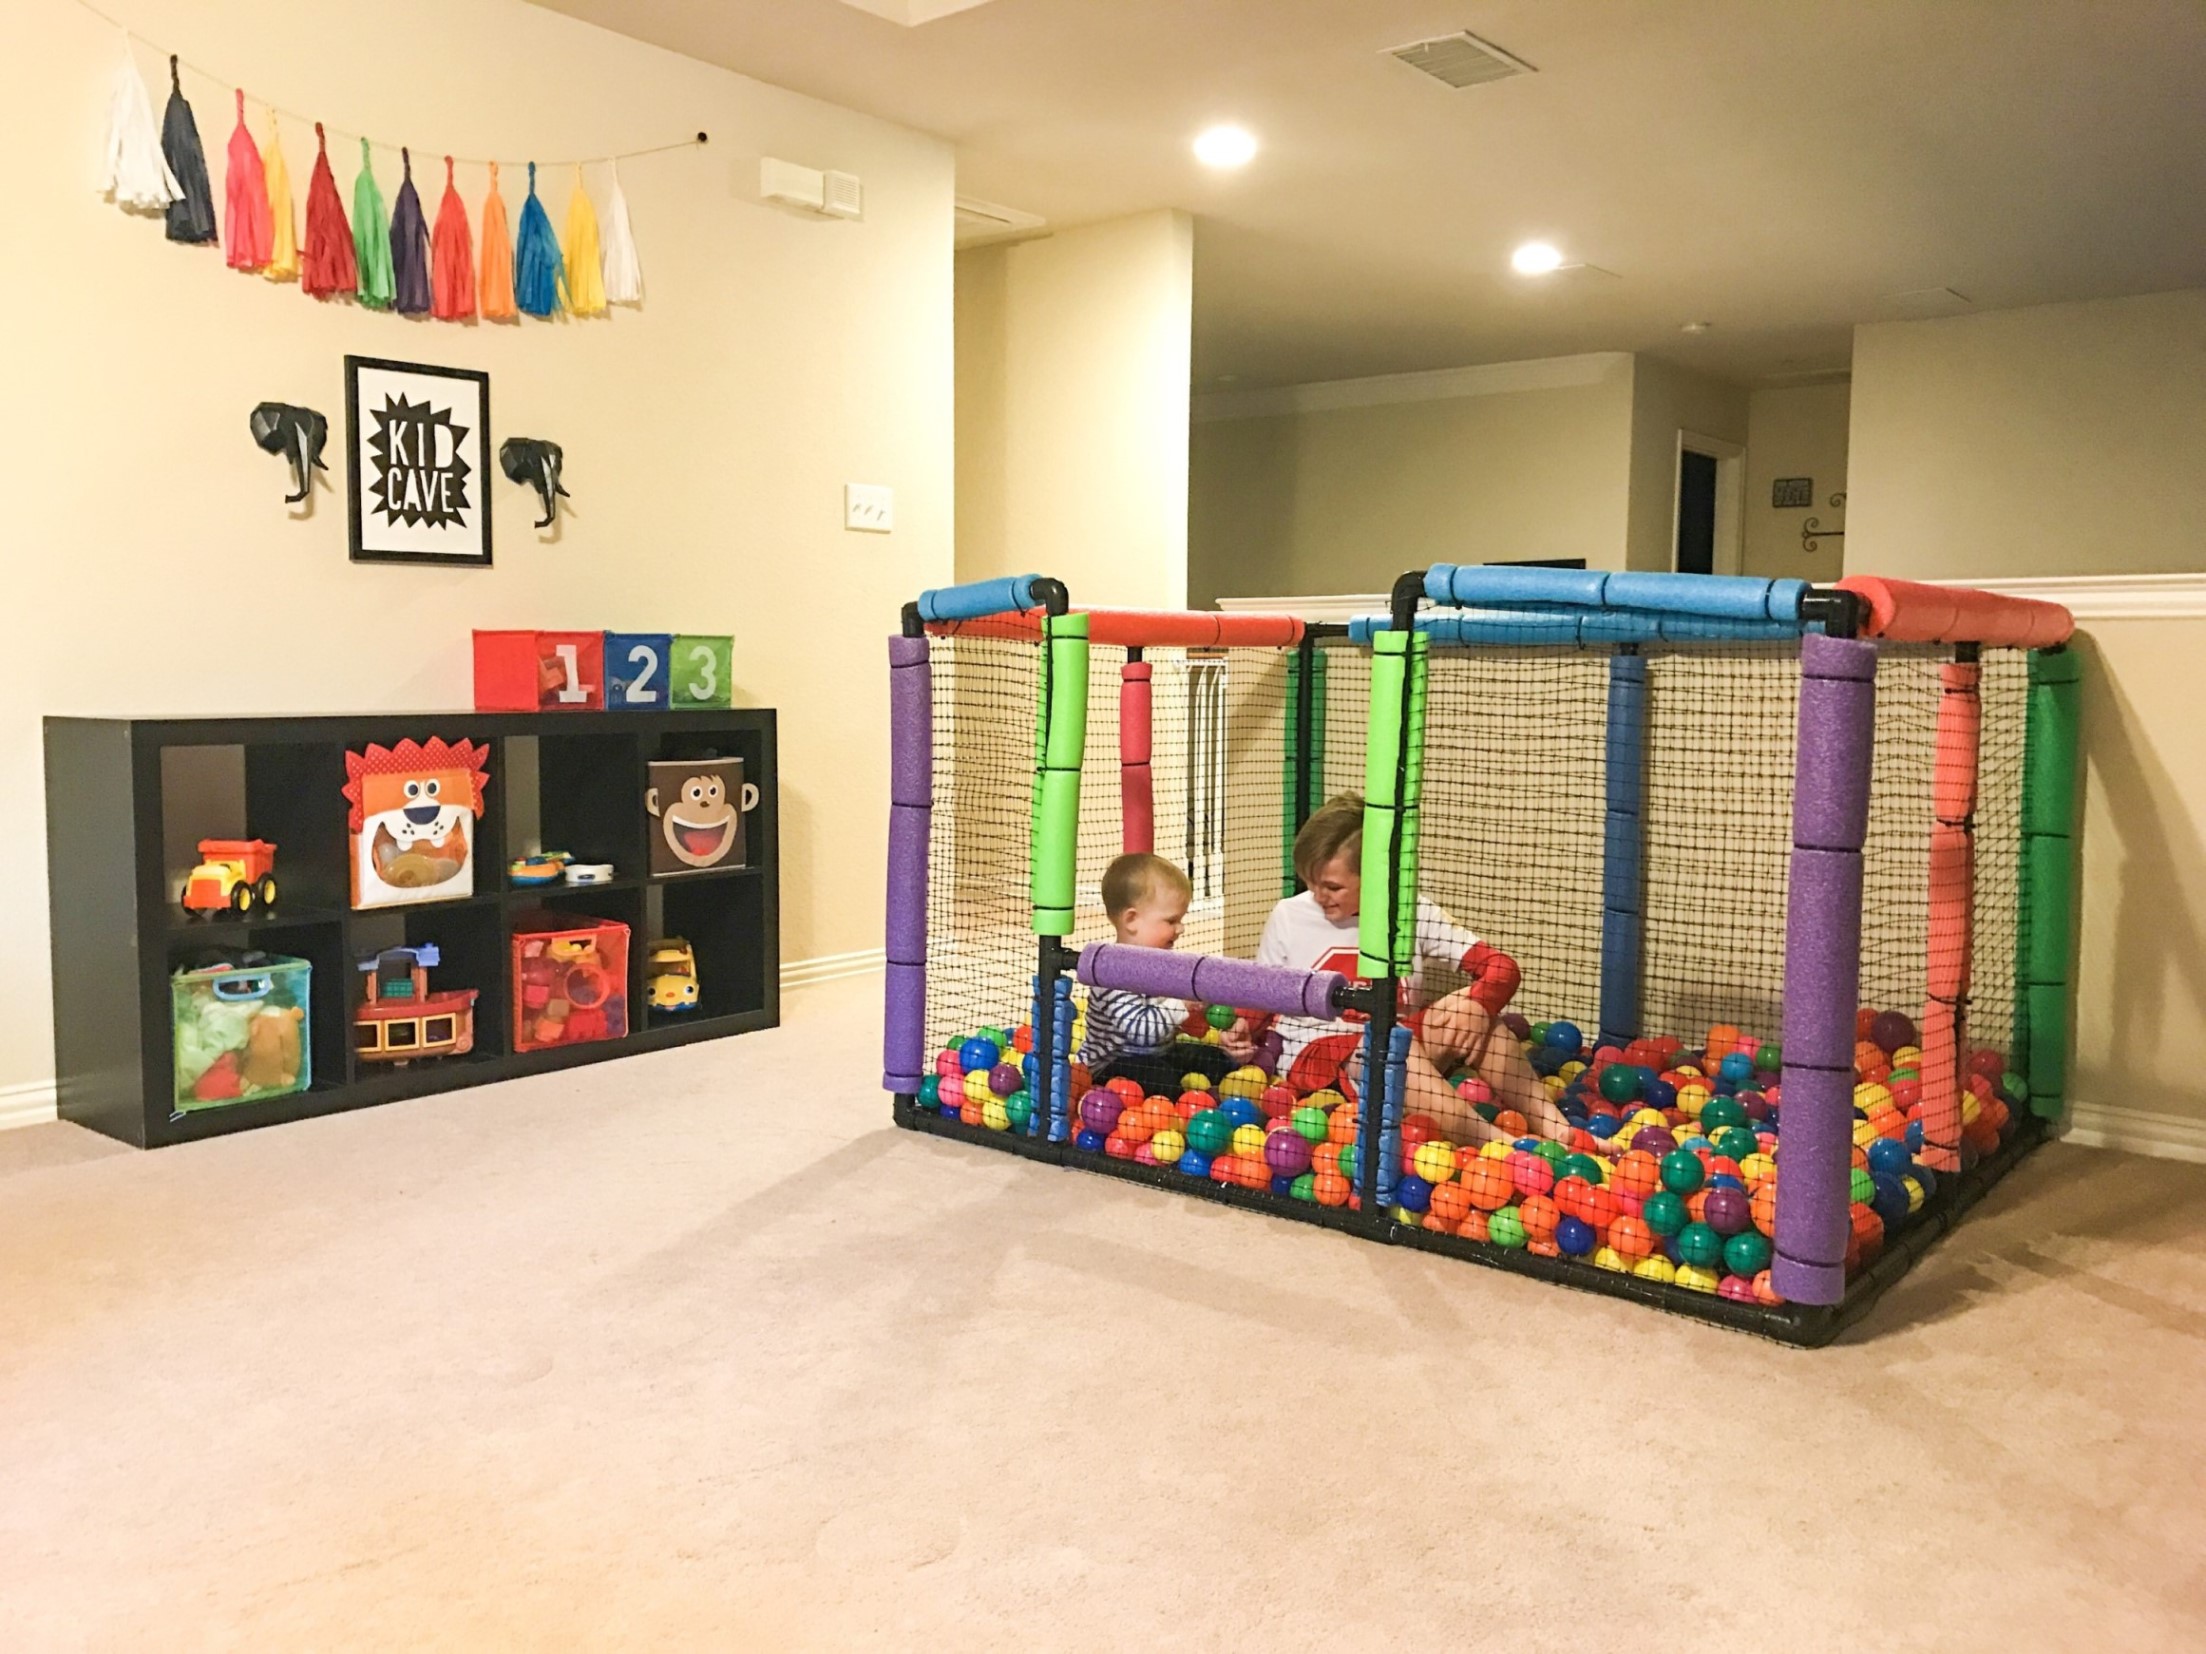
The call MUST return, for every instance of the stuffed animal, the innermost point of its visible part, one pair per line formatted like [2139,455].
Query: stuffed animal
[272,1049]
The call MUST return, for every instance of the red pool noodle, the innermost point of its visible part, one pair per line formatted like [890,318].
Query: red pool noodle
[1137,803]
[1140,629]
[1909,611]
[1952,912]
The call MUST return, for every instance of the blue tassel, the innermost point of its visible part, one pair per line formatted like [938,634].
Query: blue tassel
[410,247]
[539,278]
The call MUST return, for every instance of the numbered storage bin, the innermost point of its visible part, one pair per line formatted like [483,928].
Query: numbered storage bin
[539,671]
[570,980]
[240,1025]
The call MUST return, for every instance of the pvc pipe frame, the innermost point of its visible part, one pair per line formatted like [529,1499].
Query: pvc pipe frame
[1952,910]
[1831,765]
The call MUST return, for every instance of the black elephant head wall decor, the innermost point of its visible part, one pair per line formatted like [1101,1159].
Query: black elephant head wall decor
[534,463]
[298,435]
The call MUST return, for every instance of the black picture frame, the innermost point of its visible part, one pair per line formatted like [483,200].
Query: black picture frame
[1791,493]
[373,535]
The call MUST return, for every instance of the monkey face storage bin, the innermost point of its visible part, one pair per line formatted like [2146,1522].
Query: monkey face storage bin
[570,981]
[240,1030]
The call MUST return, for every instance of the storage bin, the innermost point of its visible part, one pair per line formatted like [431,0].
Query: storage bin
[570,980]
[241,1029]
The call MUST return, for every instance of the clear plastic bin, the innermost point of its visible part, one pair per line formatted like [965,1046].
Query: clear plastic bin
[241,1030]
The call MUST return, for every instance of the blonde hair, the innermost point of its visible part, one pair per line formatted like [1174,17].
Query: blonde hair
[1335,828]
[1132,879]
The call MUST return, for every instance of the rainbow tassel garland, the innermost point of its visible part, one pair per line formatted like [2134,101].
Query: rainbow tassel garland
[246,231]
[452,257]
[371,236]
[539,281]
[283,223]
[496,286]
[191,215]
[585,266]
[137,177]
[410,245]
[623,269]
[328,267]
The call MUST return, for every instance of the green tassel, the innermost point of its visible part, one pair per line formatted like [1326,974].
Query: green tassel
[371,237]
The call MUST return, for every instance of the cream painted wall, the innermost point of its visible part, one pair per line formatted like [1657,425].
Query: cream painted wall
[154,569]
[1667,399]
[1796,431]
[1524,461]
[1073,358]
[2064,439]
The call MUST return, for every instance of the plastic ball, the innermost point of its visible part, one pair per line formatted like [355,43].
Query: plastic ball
[1490,1183]
[1864,1185]
[1655,1267]
[1434,1161]
[1286,1151]
[1696,1279]
[1019,1106]
[1632,1238]
[1475,1091]
[1769,1057]
[1539,1215]
[1891,1031]
[1762,1207]
[1331,1189]
[1312,1123]
[1248,1140]
[1889,1158]
[1746,1253]
[1682,1171]
[1209,1133]
[1612,1260]
[978,1054]
[1890,1201]
[1194,1080]
[1583,1165]
[1664,1213]
[1303,1188]
[1654,1140]
[1620,1082]
[1451,1204]
[1575,1236]
[1412,1193]
[1506,1228]
[1089,1142]
[1242,1111]
[976,1087]
[1219,1016]
[1534,1176]
[1737,1143]
[1738,1068]
[930,1090]
[1168,1145]
[995,1116]
[1560,1036]
[1719,1113]
[1727,1212]
[1699,1245]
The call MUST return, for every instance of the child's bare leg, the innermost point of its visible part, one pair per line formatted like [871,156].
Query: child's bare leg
[1430,1093]
[1458,1030]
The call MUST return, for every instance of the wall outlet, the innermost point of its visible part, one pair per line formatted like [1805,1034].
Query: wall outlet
[868,508]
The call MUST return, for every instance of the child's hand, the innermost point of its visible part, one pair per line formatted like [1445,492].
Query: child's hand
[1239,1041]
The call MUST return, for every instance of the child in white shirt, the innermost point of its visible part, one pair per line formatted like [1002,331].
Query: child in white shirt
[1317,930]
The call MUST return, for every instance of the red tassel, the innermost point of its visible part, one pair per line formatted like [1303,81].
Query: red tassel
[327,265]
[249,230]
[452,260]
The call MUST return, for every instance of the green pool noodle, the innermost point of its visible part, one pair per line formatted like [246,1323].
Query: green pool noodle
[1061,734]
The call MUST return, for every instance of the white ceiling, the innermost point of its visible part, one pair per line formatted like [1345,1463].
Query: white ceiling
[1780,168]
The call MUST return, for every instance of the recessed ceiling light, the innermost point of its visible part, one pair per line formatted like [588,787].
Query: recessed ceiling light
[1225,146]
[1536,258]
[1696,327]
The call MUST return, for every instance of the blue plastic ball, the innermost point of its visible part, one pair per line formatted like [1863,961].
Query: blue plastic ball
[1566,1038]
[977,1054]
[1242,1112]
[1195,1164]
[1891,1202]
[1914,1137]
[1659,1094]
[1412,1193]
[1926,1177]
[1888,1158]
[1283,1186]
[1575,1236]
[1738,1068]
[1090,1142]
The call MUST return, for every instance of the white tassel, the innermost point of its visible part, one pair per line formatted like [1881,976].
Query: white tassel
[623,270]
[138,178]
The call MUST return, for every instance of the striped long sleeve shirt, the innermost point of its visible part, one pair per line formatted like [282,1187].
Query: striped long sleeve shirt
[1123,1023]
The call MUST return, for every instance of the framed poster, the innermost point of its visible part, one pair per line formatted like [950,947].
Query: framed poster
[418,439]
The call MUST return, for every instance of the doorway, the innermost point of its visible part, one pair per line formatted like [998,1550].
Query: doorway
[1708,521]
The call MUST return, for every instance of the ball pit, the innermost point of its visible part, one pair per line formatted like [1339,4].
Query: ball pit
[1670,1173]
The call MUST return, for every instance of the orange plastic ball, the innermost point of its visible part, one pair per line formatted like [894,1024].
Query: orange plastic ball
[1638,1174]
[1489,1184]
[1451,1204]
[1540,1215]
[1330,1188]
[1631,1237]
[1511,1124]
[1763,1209]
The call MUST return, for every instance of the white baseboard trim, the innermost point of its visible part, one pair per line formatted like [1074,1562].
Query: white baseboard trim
[831,967]
[32,1104]
[2137,1131]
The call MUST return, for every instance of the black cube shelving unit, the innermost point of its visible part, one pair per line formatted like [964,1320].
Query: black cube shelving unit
[128,799]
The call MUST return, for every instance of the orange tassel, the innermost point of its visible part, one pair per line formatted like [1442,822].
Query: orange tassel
[496,286]
[452,261]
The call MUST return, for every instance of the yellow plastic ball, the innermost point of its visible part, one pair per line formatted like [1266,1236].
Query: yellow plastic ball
[1434,1161]
[1908,1056]
[1864,1134]
[994,1116]
[1571,1070]
[1640,1121]
[1869,1098]
[1248,1140]
[1655,1267]
[1244,1082]
[1693,1098]
[1696,1279]
[977,1089]
[1325,1097]
[1610,1259]
[1914,1189]
[1194,1082]
[1495,1150]
[1407,1218]
[1757,1169]
[1555,1084]
[1971,1106]
[1168,1145]
[1212,1036]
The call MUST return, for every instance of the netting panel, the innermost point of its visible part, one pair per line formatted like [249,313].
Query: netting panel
[1514,799]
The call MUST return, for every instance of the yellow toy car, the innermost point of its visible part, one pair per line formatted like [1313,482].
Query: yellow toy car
[672,973]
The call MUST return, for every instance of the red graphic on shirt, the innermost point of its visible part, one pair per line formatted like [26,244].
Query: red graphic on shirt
[1344,960]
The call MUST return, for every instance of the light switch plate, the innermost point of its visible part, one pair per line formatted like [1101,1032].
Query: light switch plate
[869,508]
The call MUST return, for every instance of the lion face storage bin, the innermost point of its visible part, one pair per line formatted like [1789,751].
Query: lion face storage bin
[570,981]
[240,1030]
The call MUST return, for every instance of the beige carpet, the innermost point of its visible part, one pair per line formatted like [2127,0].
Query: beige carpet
[697,1351]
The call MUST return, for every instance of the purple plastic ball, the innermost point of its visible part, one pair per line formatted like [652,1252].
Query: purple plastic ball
[1891,1030]
[1756,1105]
[1099,1111]
[1287,1152]
[1003,1079]
[1726,1210]
[1656,1140]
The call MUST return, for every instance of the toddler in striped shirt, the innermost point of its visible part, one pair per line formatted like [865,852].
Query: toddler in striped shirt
[1133,1034]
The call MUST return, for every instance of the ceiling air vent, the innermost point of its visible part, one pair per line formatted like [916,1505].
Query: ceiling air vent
[1461,60]
[985,221]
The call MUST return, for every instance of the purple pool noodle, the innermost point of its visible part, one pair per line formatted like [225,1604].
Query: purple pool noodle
[1822,958]
[1813,1223]
[1830,799]
[904,1029]
[911,819]
[1206,977]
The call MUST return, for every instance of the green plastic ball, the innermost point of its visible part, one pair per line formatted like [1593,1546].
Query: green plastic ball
[1700,1246]
[1000,1038]
[1746,1253]
[1305,1187]
[1620,1082]
[2015,1086]
[1220,1017]
[1664,1212]
[1720,1112]
[1865,1187]
[1505,1228]
[1020,1107]
[1582,1165]
[1311,1122]
[1351,1163]
[930,1090]
[1210,1132]
[1539,1032]
[1553,1153]
[1769,1057]
[1736,1142]
[1682,1171]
